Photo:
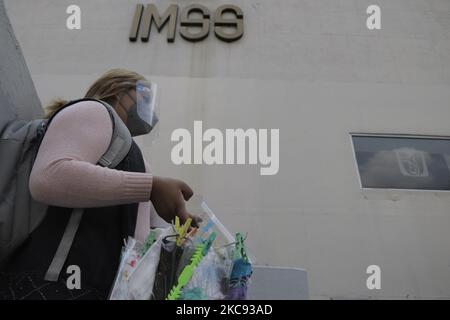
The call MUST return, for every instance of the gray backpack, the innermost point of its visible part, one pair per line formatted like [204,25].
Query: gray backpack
[20,214]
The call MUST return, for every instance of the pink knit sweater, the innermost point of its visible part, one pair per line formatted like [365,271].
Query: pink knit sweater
[65,173]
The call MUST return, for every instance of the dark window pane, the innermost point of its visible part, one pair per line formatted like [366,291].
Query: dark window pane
[403,162]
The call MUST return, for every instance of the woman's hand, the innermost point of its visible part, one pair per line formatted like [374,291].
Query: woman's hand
[168,196]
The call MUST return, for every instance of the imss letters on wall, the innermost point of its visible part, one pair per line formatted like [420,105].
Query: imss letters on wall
[144,18]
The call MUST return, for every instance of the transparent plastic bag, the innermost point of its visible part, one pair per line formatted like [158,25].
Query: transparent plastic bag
[198,206]
[210,223]
[165,274]
[129,258]
[210,279]
[185,258]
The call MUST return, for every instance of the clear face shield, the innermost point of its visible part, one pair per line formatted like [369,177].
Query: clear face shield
[144,115]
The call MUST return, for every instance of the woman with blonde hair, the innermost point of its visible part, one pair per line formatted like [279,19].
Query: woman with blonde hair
[66,175]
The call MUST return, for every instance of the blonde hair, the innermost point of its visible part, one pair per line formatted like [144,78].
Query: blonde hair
[106,88]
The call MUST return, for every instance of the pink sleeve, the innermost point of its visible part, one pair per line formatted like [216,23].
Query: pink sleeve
[65,173]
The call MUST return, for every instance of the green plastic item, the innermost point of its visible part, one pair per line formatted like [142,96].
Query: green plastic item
[240,252]
[186,275]
[151,238]
[209,242]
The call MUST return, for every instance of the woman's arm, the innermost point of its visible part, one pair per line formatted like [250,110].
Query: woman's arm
[65,173]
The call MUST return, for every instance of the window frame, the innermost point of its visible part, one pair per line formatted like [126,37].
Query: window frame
[393,135]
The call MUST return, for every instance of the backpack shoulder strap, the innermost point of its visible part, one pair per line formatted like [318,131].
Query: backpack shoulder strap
[54,270]
[120,142]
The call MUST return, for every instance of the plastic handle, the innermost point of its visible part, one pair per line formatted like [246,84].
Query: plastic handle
[217,222]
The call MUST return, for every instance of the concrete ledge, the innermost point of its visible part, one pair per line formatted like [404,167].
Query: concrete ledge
[277,283]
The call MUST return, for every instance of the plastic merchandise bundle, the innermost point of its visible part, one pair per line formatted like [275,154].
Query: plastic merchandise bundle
[130,256]
[185,263]
[141,281]
[134,279]
[209,280]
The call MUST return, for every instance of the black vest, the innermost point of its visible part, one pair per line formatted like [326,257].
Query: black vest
[97,245]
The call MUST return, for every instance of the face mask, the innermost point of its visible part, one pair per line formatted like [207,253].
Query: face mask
[137,125]
[142,116]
